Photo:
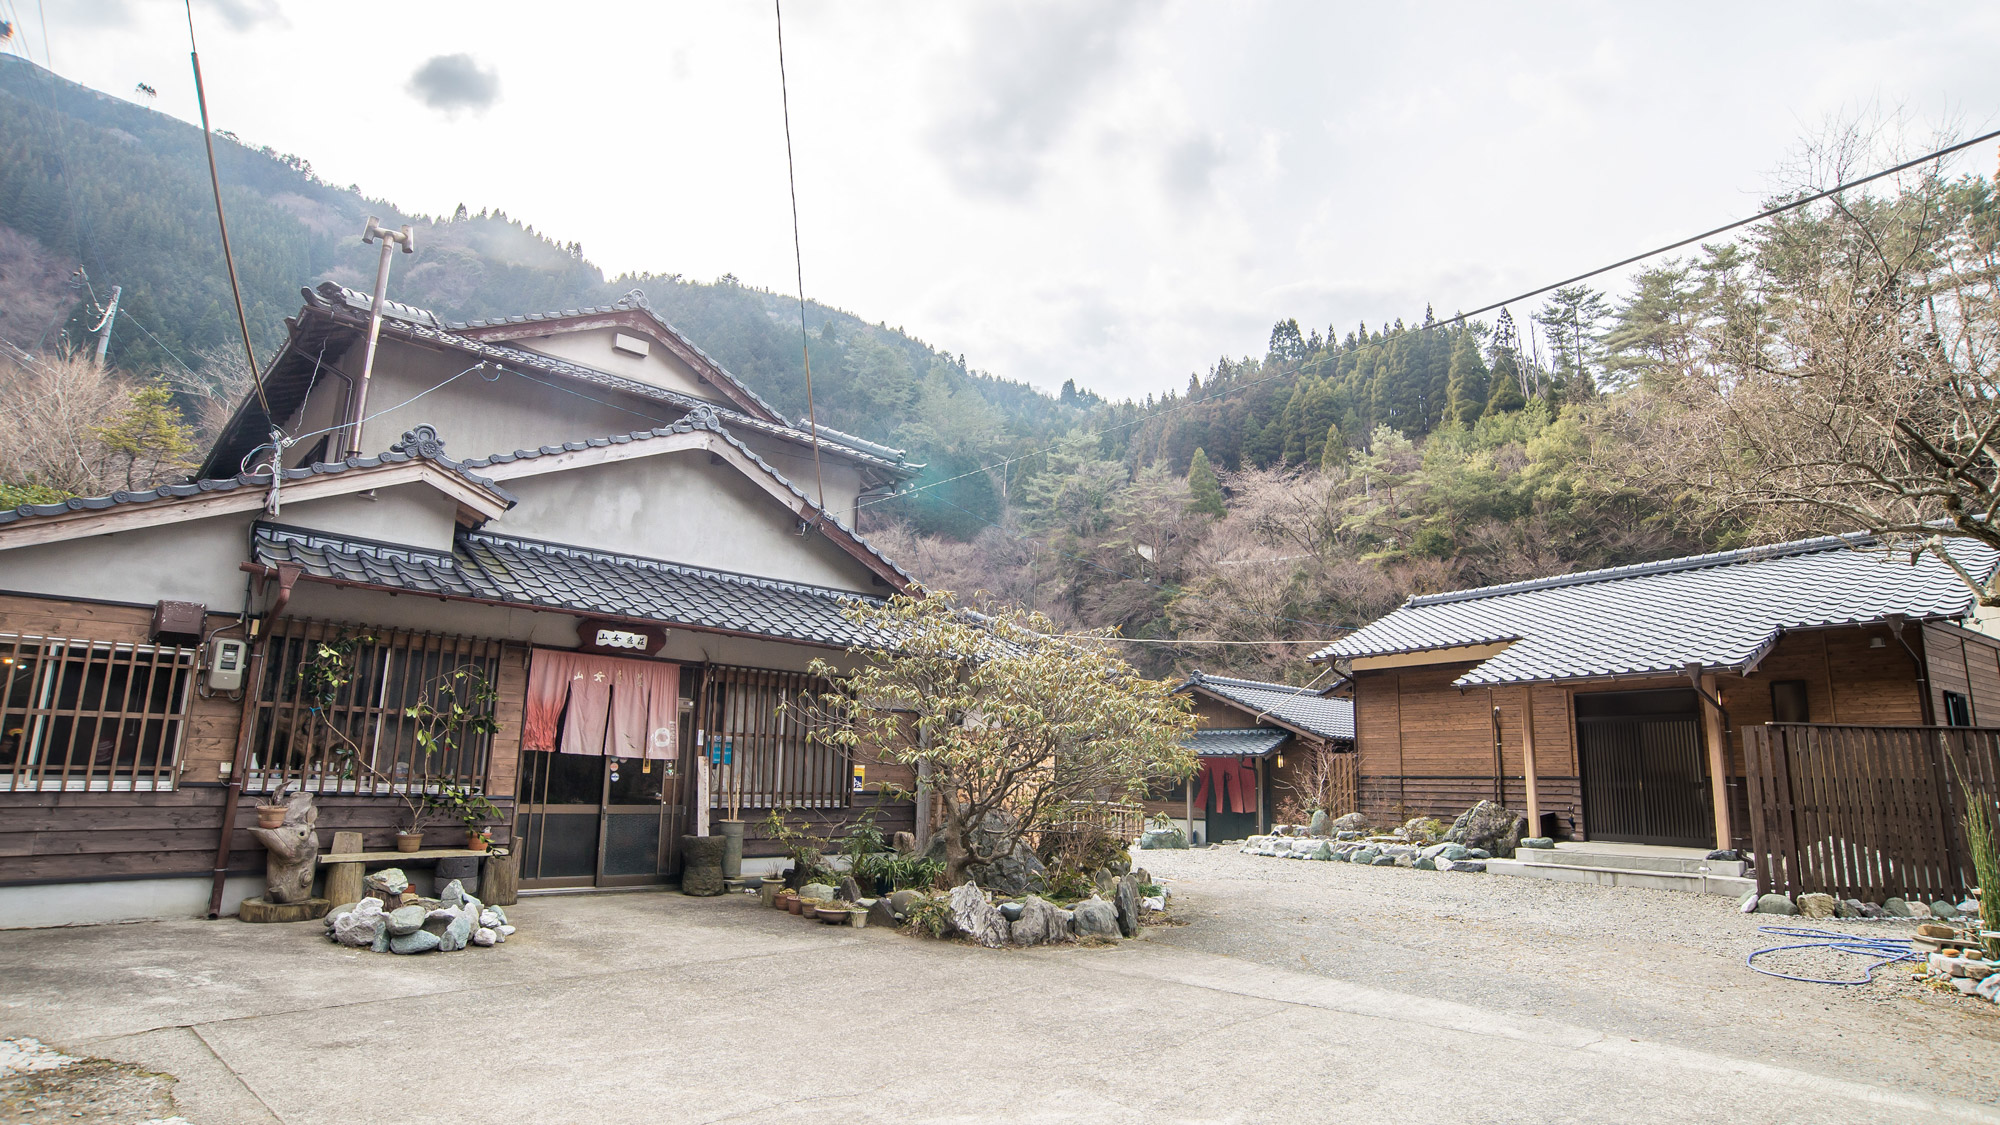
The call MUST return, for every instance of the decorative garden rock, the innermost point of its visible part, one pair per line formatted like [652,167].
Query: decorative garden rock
[1155,838]
[976,918]
[1010,911]
[1895,908]
[423,941]
[882,912]
[457,933]
[1013,872]
[491,917]
[1945,910]
[1544,843]
[1320,820]
[1127,903]
[1775,904]
[1040,923]
[901,901]
[1426,864]
[485,935]
[849,891]
[816,892]
[1350,822]
[1461,865]
[1817,905]
[1366,855]
[387,884]
[358,927]
[453,894]
[1095,919]
[1421,829]
[1486,825]
[405,920]
[905,843]
[1383,861]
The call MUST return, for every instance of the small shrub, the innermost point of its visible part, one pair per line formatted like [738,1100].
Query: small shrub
[930,914]
[1151,890]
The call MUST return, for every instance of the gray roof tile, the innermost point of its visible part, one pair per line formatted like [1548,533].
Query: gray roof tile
[1326,716]
[1721,611]
[1219,742]
[575,579]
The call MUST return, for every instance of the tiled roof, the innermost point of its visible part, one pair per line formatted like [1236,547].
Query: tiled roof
[564,578]
[424,325]
[1326,716]
[703,417]
[242,480]
[1721,611]
[1245,743]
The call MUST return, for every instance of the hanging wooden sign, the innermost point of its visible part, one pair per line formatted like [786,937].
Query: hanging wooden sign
[619,638]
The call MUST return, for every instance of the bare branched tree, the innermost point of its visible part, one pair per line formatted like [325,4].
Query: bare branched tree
[1841,375]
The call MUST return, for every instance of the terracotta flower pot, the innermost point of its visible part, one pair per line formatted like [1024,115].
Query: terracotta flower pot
[409,841]
[475,842]
[270,816]
[795,904]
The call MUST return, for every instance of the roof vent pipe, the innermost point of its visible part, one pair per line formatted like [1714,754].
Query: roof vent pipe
[390,238]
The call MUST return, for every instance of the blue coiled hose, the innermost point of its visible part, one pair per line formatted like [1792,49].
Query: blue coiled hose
[1880,951]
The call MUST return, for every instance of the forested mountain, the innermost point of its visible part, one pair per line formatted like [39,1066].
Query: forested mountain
[1266,503]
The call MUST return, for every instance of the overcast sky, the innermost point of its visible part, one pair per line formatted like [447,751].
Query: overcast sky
[1116,193]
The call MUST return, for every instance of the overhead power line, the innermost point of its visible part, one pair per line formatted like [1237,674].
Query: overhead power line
[1460,318]
[798,256]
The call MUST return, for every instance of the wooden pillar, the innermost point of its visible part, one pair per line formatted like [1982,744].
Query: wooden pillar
[1187,791]
[1718,762]
[1528,778]
[343,880]
[1263,776]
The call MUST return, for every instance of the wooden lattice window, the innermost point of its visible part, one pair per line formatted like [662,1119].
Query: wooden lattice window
[91,716]
[761,758]
[359,736]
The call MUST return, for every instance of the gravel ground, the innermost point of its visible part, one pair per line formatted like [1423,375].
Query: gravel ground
[1658,965]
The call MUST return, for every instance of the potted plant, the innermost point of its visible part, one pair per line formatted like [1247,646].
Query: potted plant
[271,816]
[467,805]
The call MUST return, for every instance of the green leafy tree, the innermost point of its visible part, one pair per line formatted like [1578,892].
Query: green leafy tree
[1000,716]
[1203,486]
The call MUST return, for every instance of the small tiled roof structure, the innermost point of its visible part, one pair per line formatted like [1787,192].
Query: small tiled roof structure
[1307,710]
[553,576]
[1722,611]
[1244,742]
[260,480]
[333,311]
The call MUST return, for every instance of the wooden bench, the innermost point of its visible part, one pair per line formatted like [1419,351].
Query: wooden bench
[346,864]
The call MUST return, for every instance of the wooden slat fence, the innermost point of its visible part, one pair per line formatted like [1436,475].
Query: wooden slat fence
[1867,812]
[1345,792]
[762,757]
[1121,820]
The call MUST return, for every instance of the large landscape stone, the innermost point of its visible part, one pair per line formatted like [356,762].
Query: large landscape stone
[849,890]
[1818,905]
[1318,827]
[423,941]
[458,932]
[1014,871]
[360,926]
[1495,828]
[1775,904]
[1127,903]
[1096,919]
[901,901]
[405,920]
[1041,923]
[976,918]
[1350,822]
[1163,838]
[387,884]
[1896,908]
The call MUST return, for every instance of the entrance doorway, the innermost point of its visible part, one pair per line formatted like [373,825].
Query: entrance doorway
[607,803]
[1645,773]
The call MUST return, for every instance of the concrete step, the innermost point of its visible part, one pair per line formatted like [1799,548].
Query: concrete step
[1584,856]
[1731,885]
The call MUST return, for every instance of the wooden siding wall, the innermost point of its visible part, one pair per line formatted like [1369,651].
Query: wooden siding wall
[1427,748]
[50,837]
[884,778]
[1966,662]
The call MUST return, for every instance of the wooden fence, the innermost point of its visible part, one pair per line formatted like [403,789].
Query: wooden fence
[1866,812]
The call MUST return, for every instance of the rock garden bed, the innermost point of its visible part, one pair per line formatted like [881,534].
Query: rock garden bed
[391,918]
[1480,833]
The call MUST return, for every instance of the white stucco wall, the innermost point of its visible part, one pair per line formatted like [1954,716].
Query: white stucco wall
[194,561]
[659,367]
[416,514]
[681,508]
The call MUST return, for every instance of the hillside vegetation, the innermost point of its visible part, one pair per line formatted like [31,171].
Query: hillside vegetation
[1268,501]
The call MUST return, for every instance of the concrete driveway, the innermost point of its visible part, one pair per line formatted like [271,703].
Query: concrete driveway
[657,1008]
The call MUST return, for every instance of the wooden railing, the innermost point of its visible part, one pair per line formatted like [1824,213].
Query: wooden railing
[1121,820]
[1867,812]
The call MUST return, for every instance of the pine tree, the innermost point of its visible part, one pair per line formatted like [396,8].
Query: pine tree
[1466,390]
[1334,458]
[1205,489]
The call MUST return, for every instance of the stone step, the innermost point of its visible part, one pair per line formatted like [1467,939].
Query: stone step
[1731,885]
[1628,861]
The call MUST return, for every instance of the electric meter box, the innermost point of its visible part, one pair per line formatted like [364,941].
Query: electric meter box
[225,664]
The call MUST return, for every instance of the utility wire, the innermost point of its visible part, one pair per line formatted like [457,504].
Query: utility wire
[1726,227]
[1460,318]
[215,182]
[798,257]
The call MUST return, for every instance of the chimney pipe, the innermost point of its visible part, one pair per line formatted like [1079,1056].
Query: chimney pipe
[390,239]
